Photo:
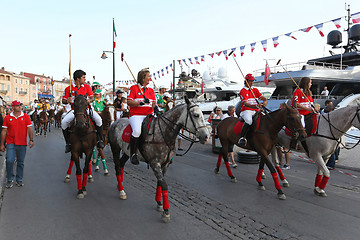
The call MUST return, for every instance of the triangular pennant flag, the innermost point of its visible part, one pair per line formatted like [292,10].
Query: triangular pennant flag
[233,50]
[355,17]
[319,27]
[185,62]
[225,54]
[167,69]
[190,60]
[337,22]
[197,60]
[202,58]
[154,76]
[179,62]
[162,72]
[306,29]
[218,53]
[171,67]
[158,73]
[289,35]
[264,44]
[267,74]
[275,41]
[252,46]
[211,55]
[242,48]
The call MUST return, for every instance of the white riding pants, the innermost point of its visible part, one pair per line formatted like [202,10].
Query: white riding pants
[65,122]
[303,120]
[247,115]
[136,123]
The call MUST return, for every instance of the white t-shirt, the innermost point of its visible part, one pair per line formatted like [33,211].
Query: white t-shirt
[325,93]
[226,115]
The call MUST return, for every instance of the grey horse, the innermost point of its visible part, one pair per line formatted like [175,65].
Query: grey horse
[157,145]
[331,127]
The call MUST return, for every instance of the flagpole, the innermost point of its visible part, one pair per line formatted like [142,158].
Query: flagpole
[70,62]
[113,51]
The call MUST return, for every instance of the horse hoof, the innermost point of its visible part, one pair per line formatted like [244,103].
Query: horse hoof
[106,173]
[159,208]
[286,184]
[216,170]
[97,169]
[261,188]
[165,217]
[282,196]
[123,195]
[234,180]
[67,179]
[90,178]
[263,176]
[320,192]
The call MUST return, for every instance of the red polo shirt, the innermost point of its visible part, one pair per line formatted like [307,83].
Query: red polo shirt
[299,98]
[246,96]
[82,90]
[137,95]
[17,128]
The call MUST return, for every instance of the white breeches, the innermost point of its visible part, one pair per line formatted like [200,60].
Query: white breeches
[30,113]
[247,115]
[303,120]
[118,114]
[65,122]
[135,123]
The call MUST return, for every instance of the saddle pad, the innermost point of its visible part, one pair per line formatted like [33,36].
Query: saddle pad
[127,134]
[238,126]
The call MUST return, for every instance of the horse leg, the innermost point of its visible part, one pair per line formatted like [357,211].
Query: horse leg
[86,171]
[322,176]
[90,176]
[164,191]
[97,162]
[274,175]
[68,173]
[94,157]
[224,152]
[75,158]
[119,169]
[218,164]
[275,160]
[260,174]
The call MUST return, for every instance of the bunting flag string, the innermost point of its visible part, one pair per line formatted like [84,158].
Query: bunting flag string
[275,41]
[319,27]
[252,46]
[197,60]
[162,72]
[167,69]
[233,50]
[202,58]
[211,55]
[355,17]
[337,22]
[306,29]
[219,53]
[242,48]
[225,54]
[190,60]
[264,44]
[289,35]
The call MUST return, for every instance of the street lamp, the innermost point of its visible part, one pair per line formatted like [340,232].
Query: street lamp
[103,56]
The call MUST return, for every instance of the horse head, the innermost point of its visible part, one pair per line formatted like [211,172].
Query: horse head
[81,120]
[108,115]
[293,122]
[194,121]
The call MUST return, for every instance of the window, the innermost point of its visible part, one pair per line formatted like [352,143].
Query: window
[15,80]
[21,82]
[16,90]
[8,87]
[44,88]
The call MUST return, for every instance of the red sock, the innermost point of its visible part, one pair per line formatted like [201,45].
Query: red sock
[119,180]
[276,180]
[318,180]
[323,183]
[165,200]
[78,179]
[85,175]
[70,167]
[219,161]
[228,169]
[259,175]
[158,194]
[281,175]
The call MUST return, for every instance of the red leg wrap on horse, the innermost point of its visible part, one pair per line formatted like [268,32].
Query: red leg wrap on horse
[122,174]
[165,199]
[71,164]
[158,194]
[228,169]
[281,175]
[90,173]
[219,161]
[318,180]
[85,175]
[119,180]
[78,179]
[276,180]
[324,181]
[259,175]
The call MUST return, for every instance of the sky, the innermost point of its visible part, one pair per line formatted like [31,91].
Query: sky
[34,35]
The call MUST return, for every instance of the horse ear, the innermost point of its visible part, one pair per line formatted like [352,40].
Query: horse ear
[187,100]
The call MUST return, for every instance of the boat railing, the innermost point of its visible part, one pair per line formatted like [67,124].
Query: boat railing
[332,97]
[300,66]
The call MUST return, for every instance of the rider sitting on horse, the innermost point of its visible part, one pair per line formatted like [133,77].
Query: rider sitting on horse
[161,104]
[302,98]
[141,101]
[33,106]
[80,88]
[249,106]
[43,105]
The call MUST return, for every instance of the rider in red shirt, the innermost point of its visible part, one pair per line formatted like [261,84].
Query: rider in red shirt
[250,105]
[302,103]
[141,101]
[80,88]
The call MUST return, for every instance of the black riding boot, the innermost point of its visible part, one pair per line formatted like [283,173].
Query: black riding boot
[242,141]
[66,133]
[99,135]
[133,148]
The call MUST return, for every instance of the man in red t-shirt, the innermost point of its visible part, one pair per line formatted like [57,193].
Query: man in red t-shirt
[250,105]
[15,128]
[80,88]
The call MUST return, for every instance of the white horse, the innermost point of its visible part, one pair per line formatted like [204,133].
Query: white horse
[331,127]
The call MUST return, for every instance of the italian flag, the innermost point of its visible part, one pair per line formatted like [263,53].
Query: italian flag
[114,35]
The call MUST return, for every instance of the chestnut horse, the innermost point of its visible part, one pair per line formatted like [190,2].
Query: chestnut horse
[83,141]
[58,118]
[260,140]
[43,122]
[157,147]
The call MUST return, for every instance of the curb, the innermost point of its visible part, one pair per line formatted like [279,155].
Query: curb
[2,175]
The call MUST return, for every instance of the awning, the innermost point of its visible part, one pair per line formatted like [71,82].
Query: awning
[46,96]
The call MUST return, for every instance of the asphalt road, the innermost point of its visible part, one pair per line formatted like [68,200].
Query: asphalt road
[203,205]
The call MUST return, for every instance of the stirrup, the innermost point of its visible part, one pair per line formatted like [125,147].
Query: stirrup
[242,142]
[134,159]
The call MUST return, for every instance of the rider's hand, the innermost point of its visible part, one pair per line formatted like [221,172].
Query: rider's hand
[146,100]
[141,103]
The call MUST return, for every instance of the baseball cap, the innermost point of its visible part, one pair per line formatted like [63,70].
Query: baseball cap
[97,91]
[119,91]
[15,103]
[96,84]
[249,77]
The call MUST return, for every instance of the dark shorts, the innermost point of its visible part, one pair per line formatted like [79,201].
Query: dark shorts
[231,148]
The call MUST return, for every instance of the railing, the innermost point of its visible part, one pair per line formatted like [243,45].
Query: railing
[22,93]
[300,66]
[4,91]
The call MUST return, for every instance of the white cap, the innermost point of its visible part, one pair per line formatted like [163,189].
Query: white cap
[162,86]
[167,95]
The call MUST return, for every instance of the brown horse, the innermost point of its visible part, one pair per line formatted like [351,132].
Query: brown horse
[108,117]
[83,140]
[51,117]
[261,140]
[35,119]
[58,118]
[43,122]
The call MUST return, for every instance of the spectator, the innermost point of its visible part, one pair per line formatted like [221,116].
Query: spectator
[231,113]
[280,151]
[15,128]
[329,106]
[218,114]
[325,92]
[117,104]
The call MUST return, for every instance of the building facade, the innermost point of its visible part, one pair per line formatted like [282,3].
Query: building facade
[59,88]
[21,89]
[5,85]
[43,85]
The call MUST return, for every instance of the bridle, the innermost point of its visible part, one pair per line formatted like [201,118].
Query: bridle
[82,113]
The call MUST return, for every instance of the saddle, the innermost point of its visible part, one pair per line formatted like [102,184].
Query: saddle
[145,129]
[253,128]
